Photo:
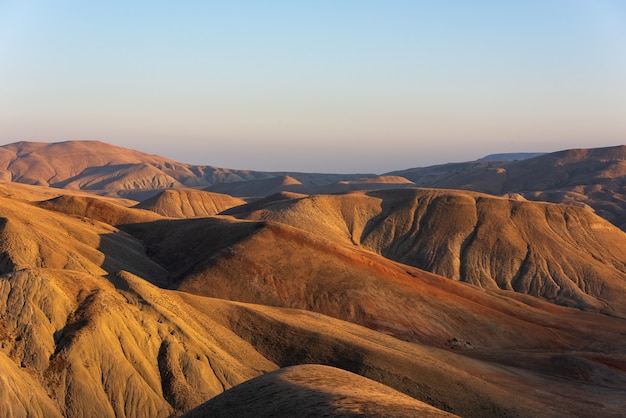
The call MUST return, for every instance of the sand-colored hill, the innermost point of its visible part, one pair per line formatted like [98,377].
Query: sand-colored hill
[98,209]
[563,254]
[593,177]
[89,338]
[313,391]
[259,188]
[33,237]
[31,193]
[286,184]
[97,350]
[446,379]
[277,265]
[189,203]
[368,183]
[116,171]
[90,347]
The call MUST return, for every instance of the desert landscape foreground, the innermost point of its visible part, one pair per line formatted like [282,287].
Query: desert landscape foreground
[136,286]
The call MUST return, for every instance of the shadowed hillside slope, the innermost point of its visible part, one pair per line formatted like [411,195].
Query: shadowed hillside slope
[593,177]
[277,265]
[98,351]
[189,203]
[82,336]
[441,378]
[566,255]
[127,348]
[32,237]
[313,391]
[98,210]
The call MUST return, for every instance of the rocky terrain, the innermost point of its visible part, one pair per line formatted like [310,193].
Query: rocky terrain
[381,299]
[593,178]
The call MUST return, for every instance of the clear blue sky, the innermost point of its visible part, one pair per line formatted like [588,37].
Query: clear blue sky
[341,85]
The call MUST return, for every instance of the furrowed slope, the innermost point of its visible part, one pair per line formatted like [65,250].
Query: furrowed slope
[277,265]
[189,203]
[90,338]
[564,254]
[33,237]
[100,351]
[586,177]
[127,348]
[443,379]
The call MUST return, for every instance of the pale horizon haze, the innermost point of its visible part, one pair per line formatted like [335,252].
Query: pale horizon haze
[318,86]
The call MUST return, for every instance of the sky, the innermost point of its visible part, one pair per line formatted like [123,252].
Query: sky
[319,85]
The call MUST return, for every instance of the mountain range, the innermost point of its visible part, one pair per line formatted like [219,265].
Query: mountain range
[132,285]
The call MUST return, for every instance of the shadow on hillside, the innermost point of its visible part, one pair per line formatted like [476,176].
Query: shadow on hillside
[287,345]
[281,394]
[164,252]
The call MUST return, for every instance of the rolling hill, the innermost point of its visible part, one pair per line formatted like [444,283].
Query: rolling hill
[583,177]
[563,254]
[115,171]
[356,295]
[189,203]
[86,336]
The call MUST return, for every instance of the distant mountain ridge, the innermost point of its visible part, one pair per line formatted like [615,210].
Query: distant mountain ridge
[511,156]
[115,311]
[116,171]
[593,178]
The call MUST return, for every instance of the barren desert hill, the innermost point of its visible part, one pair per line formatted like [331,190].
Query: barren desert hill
[272,264]
[88,337]
[32,193]
[593,177]
[126,348]
[33,237]
[313,391]
[259,188]
[116,171]
[98,209]
[583,177]
[189,203]
[563,254]
[510,156]
[272,186]
[368,183]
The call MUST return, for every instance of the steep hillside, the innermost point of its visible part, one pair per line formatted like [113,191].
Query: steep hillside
[89,347]
[563,254]
[591,177]
[80,335]
[32,237]
[94,350]
[189,203]
[277,265]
